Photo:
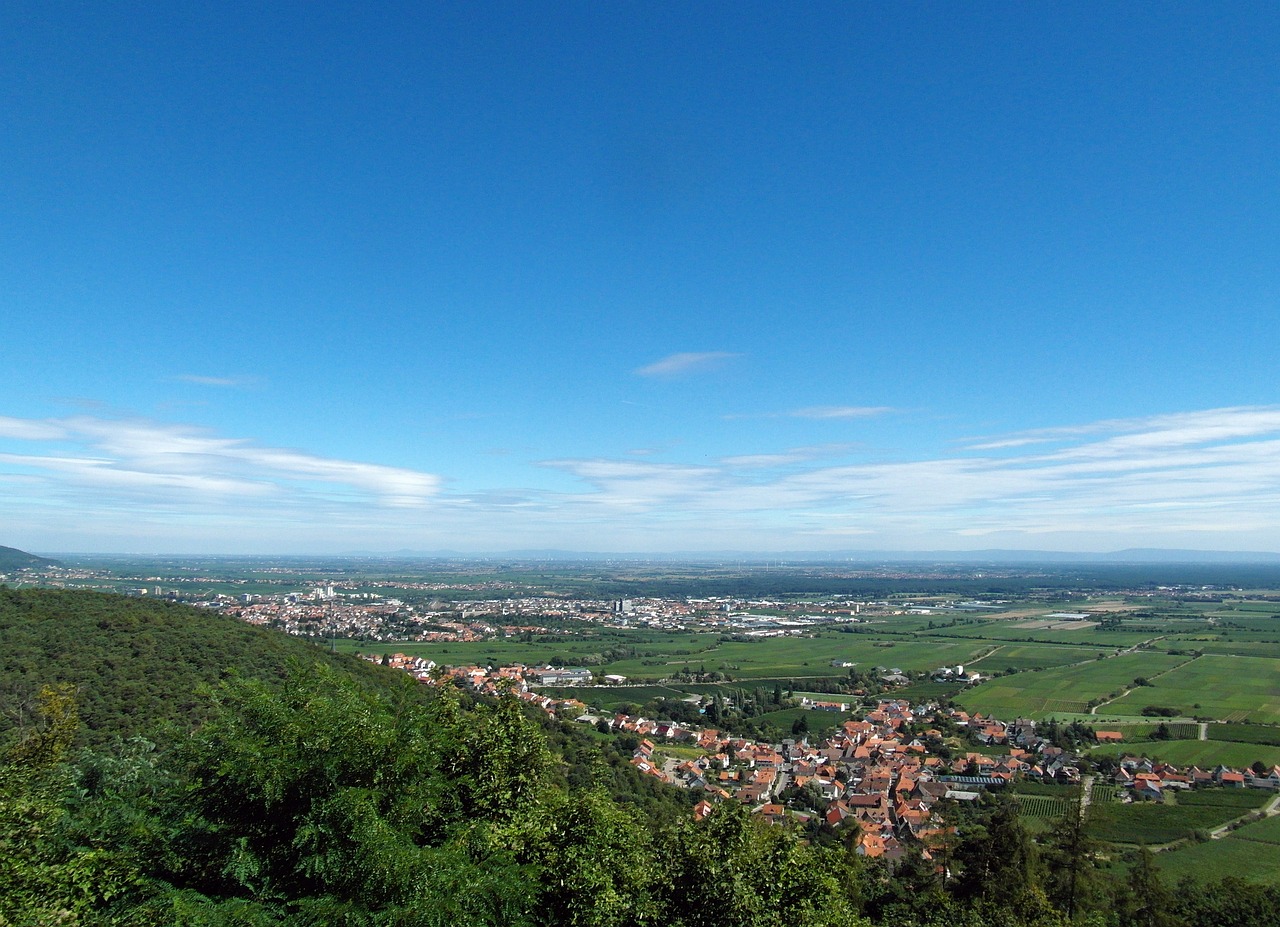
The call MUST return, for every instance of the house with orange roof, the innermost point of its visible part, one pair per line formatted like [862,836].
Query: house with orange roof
[1148,785]
[836,813]
[1229,778]
[773,813]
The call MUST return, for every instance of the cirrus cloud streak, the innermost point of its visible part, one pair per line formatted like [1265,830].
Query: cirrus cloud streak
[163,459]
[1205,472]
[684,364]
[1201,478]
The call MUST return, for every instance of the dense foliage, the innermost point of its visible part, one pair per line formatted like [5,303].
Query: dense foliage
[13,559]
[134,662]
[324,799]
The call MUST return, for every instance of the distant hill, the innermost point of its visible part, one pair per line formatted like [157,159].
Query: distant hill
[13,559]
[748,557]
[137,662]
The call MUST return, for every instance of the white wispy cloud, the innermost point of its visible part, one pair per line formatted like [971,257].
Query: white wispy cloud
[29,429]
[683,364]
[817,413]
[1168,429]
[235,382]
[787,458]
[141,455]
[821,412]
[1209,478]
[1205,472]
[763,461]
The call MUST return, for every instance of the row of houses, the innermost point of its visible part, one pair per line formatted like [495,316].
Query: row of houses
[477,676]
[1145,778]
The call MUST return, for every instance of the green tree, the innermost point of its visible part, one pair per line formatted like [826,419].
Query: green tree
[733,869]
[328,799]
[1072,882]
[1148,901]
[594,863]
[46,878]
[997,858]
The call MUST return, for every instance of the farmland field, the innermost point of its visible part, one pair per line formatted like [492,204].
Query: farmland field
[1241,799]
[1034,656]
[1064,689]
[1241,648]
[1202,753]
[1245,733]
[1043,806]
[1137,734]
[1051,671]
[659,656]
[1265,831]
[1091,636]
[1224,687]
[610,697]
[1155,823]
[1233,855]
[799,657]
[1105,793]
[1042,812]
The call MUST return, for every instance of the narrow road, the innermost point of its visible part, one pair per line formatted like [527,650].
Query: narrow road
[997,648]
[1086,793]
[1204,730]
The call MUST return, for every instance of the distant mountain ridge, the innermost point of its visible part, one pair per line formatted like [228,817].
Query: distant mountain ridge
[13,559]
[990,555]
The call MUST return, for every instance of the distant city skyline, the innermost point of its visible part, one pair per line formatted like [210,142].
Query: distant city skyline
[639,278]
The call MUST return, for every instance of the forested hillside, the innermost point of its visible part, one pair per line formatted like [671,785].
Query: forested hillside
[13,559]
[343,794]
[135,663]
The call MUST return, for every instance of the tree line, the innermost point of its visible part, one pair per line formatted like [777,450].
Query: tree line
[323,801]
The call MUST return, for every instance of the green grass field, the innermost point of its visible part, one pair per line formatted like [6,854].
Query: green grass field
[1212,860]
[1224,687]
[1104,793]
[1010,630]
[1245,733]
[927,691]
[1138,733]
[1067,688]
[1241,648]
[820,722]
[1264,831]
[1033,656]
[610,697]
[1240,799]
[800,657]
[1154,823]
[1202,753]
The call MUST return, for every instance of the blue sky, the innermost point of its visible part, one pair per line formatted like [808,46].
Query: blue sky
[639,277]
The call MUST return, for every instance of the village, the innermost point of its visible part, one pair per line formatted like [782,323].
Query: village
[888,772]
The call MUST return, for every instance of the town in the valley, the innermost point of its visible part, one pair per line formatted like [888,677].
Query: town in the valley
[885,772]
